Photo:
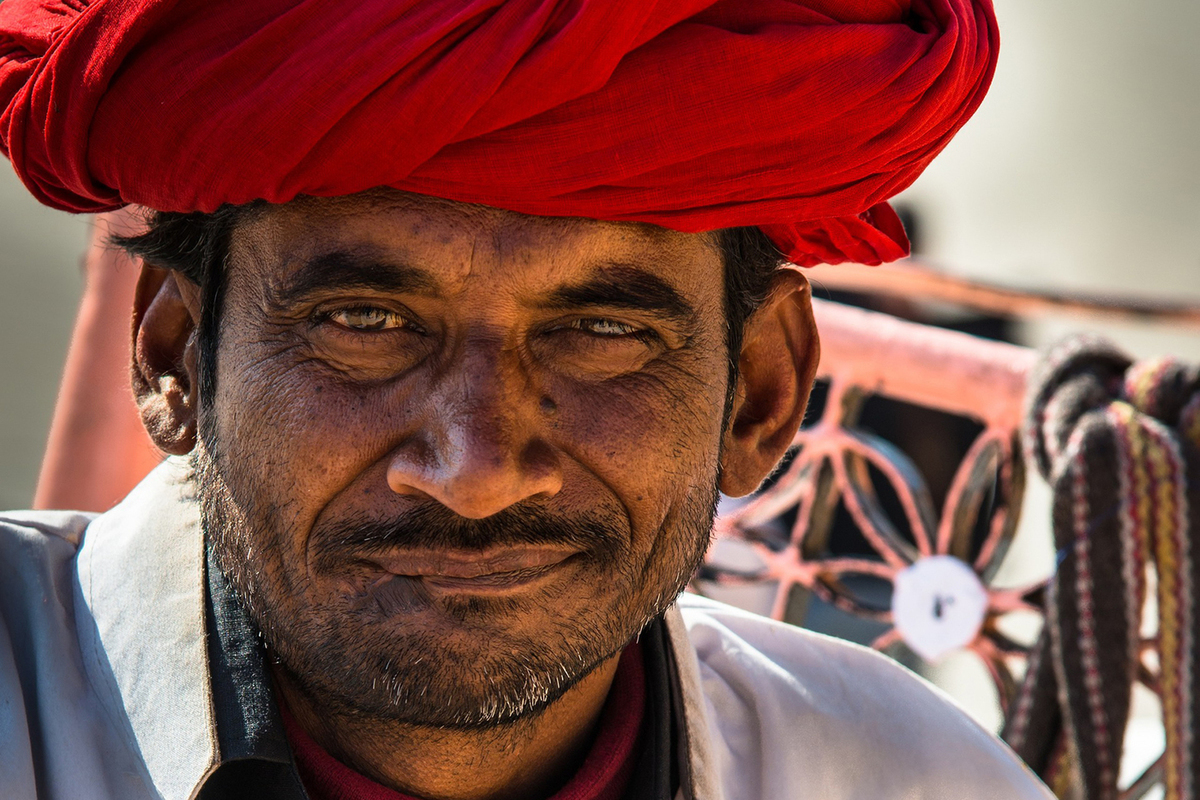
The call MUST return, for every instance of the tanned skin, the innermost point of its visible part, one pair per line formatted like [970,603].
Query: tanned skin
[457,457]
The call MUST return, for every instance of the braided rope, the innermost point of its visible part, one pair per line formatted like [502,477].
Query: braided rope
[1120,445]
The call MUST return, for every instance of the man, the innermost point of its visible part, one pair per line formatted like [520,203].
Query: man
[455,326]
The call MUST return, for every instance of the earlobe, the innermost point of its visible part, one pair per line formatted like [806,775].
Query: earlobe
[776,370]
[164,359]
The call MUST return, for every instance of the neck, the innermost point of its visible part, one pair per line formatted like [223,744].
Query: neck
[528,758]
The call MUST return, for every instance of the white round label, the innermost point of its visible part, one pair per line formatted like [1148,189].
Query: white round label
[938,606]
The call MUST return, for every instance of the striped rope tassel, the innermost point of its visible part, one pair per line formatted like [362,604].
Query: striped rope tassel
[1171,522]
[1119,444]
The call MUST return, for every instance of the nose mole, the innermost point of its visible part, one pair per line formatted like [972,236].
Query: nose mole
[549,406]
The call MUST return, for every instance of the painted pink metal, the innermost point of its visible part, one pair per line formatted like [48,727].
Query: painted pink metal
[867,353]
[927,366]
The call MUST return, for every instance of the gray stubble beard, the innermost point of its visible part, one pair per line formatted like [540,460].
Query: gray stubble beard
[415,683]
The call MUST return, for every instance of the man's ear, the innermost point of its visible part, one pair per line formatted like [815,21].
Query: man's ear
[165,384]
[776,370]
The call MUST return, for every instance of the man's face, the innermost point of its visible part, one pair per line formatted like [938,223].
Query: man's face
[457,456]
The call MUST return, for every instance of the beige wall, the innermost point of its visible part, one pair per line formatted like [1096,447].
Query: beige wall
[40,280]
[1082,170]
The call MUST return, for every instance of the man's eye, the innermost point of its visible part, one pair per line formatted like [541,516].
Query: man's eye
[604,327]
[367,318]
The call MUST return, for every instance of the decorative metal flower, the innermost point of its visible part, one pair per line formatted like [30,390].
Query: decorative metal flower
[851,522]
[942,599]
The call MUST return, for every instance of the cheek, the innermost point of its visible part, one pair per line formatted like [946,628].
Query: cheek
[295,438]
[650,439]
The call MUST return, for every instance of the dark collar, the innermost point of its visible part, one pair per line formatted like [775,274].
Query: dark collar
[255,758]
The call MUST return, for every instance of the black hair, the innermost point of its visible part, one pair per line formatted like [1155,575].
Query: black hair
[750,260]
[196,246]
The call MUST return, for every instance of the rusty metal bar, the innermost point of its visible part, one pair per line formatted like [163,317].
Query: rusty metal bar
[913,281]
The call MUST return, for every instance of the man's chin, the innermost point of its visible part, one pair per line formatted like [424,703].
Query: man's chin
[456,622]
[451,674]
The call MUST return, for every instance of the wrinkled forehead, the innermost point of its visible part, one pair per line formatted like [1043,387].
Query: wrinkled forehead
[455,243]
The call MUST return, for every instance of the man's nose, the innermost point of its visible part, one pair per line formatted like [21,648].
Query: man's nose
[480,447]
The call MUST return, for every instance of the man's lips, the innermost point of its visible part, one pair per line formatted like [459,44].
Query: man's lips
[496,569]
[402,582]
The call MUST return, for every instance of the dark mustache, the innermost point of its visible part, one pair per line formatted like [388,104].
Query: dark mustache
[435,527]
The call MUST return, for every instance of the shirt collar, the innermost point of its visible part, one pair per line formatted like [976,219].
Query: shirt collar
[247,719]
[141,577]
[173,651]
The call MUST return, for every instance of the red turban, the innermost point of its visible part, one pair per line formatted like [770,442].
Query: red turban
[799,116]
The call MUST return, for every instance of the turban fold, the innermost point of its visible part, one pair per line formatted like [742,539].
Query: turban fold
[799,116]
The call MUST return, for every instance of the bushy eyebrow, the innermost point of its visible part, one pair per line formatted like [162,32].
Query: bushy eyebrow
[610,286]
[343,269]
[622,286]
